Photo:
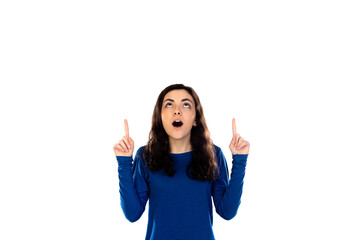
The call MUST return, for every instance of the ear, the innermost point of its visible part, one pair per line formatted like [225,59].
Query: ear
[195,124]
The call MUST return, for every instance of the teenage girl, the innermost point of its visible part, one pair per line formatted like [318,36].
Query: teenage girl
[180,171]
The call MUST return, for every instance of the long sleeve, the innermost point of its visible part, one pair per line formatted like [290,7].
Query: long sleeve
[133,187]
[227,194]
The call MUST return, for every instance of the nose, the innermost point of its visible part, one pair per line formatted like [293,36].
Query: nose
[177,111]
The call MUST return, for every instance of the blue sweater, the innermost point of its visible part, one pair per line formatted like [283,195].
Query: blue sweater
[179,208]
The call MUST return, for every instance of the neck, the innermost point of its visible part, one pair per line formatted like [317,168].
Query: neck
[180,145]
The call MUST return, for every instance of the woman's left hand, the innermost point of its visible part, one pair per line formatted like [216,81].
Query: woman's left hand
[238,145]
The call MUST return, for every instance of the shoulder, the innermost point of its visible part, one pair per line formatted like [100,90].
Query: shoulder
[218,151]
[139,155]
[221,162]
[139,160]
[140,151]
[219,155]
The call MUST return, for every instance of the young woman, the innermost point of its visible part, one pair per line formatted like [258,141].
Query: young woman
[179,170]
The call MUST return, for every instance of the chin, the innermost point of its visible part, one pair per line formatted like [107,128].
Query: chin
[178,136]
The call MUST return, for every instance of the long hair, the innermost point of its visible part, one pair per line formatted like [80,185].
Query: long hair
[203,165]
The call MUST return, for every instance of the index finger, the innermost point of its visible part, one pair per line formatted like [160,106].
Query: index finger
[126,128]
[234,127]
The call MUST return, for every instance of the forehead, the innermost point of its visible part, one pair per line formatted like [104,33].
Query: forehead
[178,95]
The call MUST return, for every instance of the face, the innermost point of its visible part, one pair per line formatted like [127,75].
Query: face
[178,114]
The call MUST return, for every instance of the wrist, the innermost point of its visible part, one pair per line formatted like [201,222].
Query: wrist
[124,158]
[240,157]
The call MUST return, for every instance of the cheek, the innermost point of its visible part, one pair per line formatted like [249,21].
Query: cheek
[191,117]
[193,114]
[164,117]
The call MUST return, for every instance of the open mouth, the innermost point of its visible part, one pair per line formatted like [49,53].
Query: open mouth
[177,123]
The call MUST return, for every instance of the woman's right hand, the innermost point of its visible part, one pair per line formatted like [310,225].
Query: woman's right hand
[125,147]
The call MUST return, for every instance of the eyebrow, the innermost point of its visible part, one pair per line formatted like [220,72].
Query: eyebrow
[183,100]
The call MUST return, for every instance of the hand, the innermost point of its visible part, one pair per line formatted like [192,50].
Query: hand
[238,145]
[125,147]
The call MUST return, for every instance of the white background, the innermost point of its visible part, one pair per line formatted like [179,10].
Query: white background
[71,71]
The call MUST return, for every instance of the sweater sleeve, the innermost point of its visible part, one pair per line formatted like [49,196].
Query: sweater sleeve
[227,194]
[133,186]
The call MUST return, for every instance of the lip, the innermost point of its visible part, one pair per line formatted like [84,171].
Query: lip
[177,127]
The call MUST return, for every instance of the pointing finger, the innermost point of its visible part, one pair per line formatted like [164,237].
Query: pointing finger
[234,127]
[126,128]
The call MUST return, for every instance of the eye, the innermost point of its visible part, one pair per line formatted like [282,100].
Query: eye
[187,105]
[168,105]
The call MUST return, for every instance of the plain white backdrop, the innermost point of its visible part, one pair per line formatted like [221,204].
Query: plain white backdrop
[71,71]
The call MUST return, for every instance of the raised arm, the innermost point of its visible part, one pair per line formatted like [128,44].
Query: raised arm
[227,194]
[133,187]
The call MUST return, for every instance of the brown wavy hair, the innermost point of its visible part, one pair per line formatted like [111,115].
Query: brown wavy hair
[203,165]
